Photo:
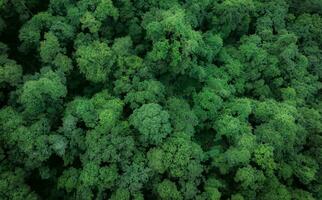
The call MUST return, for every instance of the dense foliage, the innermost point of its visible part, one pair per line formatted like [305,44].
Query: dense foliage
[169,99]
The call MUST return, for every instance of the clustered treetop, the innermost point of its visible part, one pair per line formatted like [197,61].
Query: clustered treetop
[169,99]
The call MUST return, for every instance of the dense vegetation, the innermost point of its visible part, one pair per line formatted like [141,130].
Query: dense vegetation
[169,99]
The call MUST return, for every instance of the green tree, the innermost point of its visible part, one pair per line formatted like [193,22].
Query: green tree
[152,122]
[95,61]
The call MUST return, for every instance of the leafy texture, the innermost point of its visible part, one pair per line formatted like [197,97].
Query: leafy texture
[169,100]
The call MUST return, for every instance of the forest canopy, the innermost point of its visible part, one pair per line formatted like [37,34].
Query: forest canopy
[168,100]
